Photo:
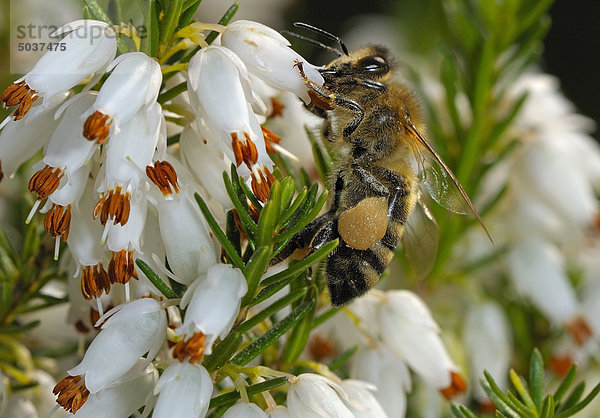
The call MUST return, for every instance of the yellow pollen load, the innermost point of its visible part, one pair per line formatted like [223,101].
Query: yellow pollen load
[364,224]
[164,176]
[19,94]
[97,127]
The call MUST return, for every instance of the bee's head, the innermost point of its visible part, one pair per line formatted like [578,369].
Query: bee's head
[372,62]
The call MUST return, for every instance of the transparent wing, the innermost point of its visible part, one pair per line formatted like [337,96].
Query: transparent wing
[438,179]
[420,240]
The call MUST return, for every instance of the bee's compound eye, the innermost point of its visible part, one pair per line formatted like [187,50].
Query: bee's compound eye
[373,64]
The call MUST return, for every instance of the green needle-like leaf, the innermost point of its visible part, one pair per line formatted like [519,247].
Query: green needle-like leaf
[343,358]
[254,270]
[272,309]
[17,329]
[188,11]
[288,187]
[224,21]
[231,397]
[302,264]
[565,384]
[98,13]
[573,397]
[521,389]
[268,291]
[536,379]
[578,407]
[499,398]
[223,352]
[155,279]
[170,21]
[547,407]
[149,44]
[250,226]
[299,336]
[232,255]
[286,215]
[263,342]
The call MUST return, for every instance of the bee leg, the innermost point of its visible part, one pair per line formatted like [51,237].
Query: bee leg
[302,239]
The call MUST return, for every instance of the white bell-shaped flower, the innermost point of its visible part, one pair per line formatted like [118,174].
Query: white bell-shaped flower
[131,330]
[488,340]
[20,140]
[268,55]
[132,85]
[314,396]
[244,410]
[278,412]
[122,399]
[183,390]
[220,94]
[361,399]
[379,366]
[537,270]
[213,303]
[89,46]
[410,331]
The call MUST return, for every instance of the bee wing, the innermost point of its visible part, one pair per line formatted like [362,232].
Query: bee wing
[439,180]
[420,239]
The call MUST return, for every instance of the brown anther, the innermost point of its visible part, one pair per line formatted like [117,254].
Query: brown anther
[192,348]
[262,187]
[223,257]
[94,281]
[487,407]
[270,138]
[164,176]
[238,223]
[121,268]
[58,221]
[236,145]
[580,330]
[113,205]
[457,386]
[1,172]
[277,108]
[250,152]
[254,213]
[72,393]
[95,316]
[19,94]
[81,327]
[45,181]
[321,348]
[244,152]
[560,365]
[596,218]
[97,127]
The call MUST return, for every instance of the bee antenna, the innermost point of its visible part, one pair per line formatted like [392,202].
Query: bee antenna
[312,42]
[323,33]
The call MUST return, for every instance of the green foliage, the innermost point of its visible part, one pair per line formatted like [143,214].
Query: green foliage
[531,399]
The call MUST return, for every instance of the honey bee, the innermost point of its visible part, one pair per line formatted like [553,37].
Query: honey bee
[374,126]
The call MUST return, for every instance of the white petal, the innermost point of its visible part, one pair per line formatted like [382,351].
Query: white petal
[244,410]
[139,327]
[362,402]
[128,236]
[184,391]
[121,400]
[21,139]
[314,396]
[190,249]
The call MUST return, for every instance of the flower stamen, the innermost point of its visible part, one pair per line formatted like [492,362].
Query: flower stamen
[193,348]
[261,186]
[164,176]
[245,152]
[270,139]
[19,94]
[58,221]
[277,108]
[457,386]
[97,127]
[580,330]
[114,205]
[72,393]
[45,181]
[121,268]
[94,281]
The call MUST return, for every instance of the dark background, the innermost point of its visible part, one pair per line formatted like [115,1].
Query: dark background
[572,47]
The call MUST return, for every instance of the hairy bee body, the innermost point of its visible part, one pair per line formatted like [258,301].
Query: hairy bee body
[374,186]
